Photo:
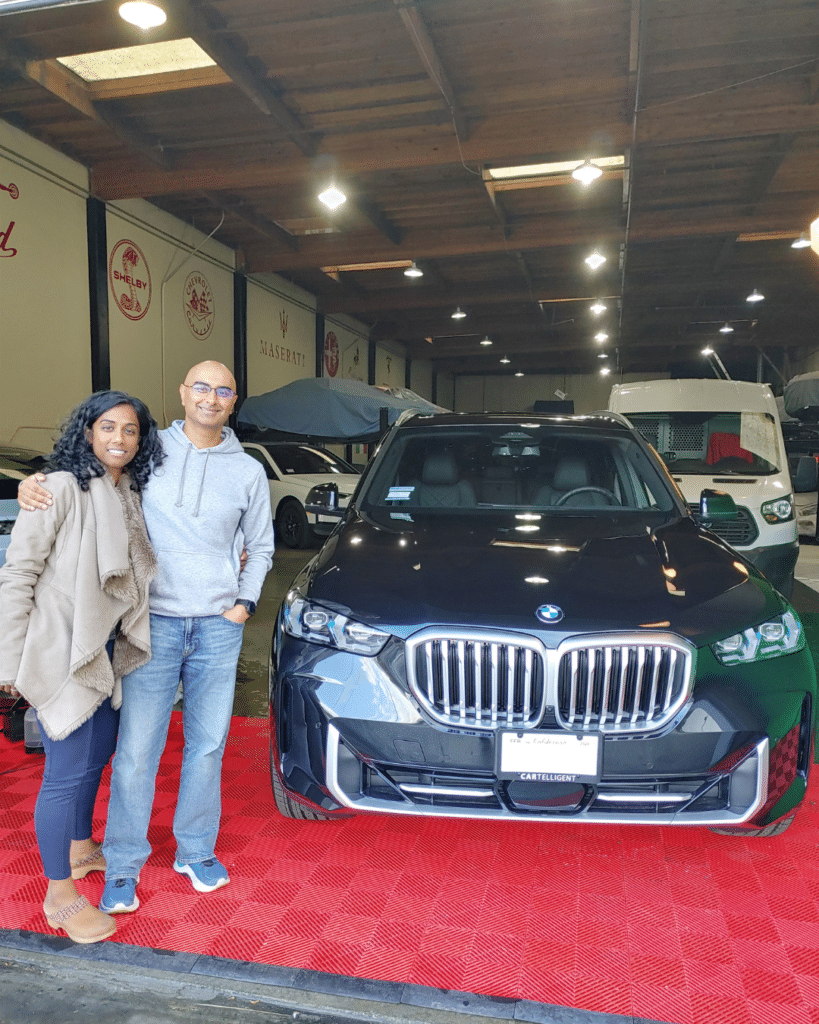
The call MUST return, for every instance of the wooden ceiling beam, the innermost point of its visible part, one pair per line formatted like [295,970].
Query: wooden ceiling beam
[250,216]
[260,91]
[422,41]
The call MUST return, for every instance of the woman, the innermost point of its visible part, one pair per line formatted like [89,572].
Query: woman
[73,621]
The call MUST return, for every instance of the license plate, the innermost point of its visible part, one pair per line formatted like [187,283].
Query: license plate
[548,757]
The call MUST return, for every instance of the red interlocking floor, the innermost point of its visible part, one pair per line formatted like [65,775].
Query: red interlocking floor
[670,924]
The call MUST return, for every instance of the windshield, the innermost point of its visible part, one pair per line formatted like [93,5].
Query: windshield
[302,459]
[521,467]
[713,443]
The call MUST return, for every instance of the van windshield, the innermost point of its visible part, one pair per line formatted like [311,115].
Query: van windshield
[713,443]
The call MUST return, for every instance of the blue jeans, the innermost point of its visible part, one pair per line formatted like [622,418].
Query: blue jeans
[203,652]
[71,778]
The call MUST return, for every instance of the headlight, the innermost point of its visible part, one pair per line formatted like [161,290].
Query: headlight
[780,510]
[782,635]
[319,625]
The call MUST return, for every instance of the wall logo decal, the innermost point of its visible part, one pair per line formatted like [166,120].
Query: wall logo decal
[331,354]
[12,190]
[199,308]
[130,279]
[5,248]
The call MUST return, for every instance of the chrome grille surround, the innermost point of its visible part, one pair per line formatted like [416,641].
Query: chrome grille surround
[478,680]
[620,683]
[631,683]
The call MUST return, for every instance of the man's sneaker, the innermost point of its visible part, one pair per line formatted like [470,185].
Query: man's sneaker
[119,896]
[205,876]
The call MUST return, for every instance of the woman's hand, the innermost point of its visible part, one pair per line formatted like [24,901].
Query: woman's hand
[31,495]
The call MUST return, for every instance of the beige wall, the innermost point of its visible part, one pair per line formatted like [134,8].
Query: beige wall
[45,346]
[519,394]
[281,334]
[151,355]
[421,378]
[352,347]
[390,362]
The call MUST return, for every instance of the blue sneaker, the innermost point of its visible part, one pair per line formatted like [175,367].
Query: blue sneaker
[119,896]
[206,875]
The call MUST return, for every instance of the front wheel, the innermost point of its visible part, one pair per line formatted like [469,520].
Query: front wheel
[292,526]
[285,804]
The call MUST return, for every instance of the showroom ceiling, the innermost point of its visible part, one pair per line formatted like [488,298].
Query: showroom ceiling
[704,117]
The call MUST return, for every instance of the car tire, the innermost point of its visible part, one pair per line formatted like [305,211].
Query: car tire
[292,526]
[775,829]
[285,804]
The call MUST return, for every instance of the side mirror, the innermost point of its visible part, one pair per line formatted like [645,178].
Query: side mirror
[716,505]
[806,477]
[323,500]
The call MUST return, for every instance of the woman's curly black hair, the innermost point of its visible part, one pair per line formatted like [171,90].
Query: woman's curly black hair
[73,451]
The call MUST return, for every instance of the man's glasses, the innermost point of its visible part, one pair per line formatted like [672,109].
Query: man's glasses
[199,388]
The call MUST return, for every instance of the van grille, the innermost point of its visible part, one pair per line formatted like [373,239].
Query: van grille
[739,533]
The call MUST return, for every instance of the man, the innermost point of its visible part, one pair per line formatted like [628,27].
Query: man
[207,501]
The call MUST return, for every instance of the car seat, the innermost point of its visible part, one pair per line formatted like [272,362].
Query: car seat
[440,486]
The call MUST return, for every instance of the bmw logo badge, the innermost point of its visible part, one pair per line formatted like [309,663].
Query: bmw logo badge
[549,613]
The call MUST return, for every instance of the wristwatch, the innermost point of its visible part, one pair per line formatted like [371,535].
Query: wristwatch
[250,605]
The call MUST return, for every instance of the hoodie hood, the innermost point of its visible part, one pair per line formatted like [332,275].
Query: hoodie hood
[229,445]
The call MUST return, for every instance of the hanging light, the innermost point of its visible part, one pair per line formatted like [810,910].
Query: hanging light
[726,329]
[506,360]
[458,314]
[332,197]
[755,296]
[605,371]
[142,14]
[519,374]
[413,271]
[487,340]
[600,337]
[802,242]
[602,355]
[595,260]
[598,308]
[586,173]
[707,351]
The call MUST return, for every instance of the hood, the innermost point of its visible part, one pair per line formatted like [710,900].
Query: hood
[605,574]
[229,445]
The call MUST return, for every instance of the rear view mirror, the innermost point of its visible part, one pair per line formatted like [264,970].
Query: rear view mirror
[806,477]
[716,505]
[323,500]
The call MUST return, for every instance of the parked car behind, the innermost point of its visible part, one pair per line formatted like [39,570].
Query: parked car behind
[292,470]
[518,617]
[15,464]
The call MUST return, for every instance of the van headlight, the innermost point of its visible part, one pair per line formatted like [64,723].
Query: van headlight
[779,510]
[310,621]
[782,635]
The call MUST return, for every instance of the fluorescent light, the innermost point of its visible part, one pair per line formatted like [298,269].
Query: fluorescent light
[487,341]
[544,170]
[727,328]
[413,271]
[332,197]
[458,314]
[755,296]
[586,173]
[142,14]
[598,308]
[595,260]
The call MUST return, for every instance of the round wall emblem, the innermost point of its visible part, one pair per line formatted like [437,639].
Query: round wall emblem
[331,354]
[130,279]
[549,613]
[198,299]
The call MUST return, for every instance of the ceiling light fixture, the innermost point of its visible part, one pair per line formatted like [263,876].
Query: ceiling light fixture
[586,173]
[707,351]
[598,308]
[802,242]
[487,340]
[726,329]
[413,271]
[600,337]
[595,260]
[142,14]
[458,314]
[605,371]
[755,296]
[518,374]
[602,355]
[332,197]
[506,360]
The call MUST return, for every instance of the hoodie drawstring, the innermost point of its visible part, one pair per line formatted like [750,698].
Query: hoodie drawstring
[201,482]
[201,485]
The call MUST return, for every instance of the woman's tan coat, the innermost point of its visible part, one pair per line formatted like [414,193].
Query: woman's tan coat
[66,583]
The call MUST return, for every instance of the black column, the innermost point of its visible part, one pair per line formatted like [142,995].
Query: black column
[98,294]
[371,362]
[319,344]
[239,340]
[408,373]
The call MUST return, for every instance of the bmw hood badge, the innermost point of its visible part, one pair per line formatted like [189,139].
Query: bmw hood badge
[549,613]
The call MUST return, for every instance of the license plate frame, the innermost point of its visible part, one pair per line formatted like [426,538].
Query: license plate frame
[548,756]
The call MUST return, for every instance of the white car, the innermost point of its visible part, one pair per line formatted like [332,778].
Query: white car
[15,465]
[292,469]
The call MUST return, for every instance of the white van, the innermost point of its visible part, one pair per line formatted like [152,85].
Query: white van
[724,435]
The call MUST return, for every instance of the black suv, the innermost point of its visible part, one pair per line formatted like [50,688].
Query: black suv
[518,617]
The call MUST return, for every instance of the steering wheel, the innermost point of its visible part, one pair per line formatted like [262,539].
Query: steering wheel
[579,490]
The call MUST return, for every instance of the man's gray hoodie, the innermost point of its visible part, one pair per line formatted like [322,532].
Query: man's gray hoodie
[201,506]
